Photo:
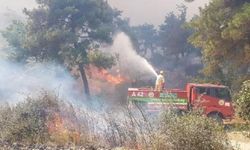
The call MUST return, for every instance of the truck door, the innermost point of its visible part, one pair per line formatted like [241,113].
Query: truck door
[219,99]
[206,96]
[197,97]
[210,98]
[194,95]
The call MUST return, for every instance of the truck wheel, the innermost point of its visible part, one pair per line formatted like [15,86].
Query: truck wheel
[216,116]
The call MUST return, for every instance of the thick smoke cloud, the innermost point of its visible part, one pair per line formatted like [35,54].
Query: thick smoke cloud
[18,81]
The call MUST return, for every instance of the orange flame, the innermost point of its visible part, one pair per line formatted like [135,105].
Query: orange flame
[60,132]
[56,124]
[104,75]
[110,78]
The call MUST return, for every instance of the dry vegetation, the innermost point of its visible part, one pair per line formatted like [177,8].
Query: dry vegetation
[47,120]
[192,132]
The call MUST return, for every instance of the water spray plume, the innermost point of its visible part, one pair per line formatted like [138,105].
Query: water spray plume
[150,67]
[130,62]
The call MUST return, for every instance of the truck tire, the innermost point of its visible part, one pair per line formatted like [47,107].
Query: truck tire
[216,116]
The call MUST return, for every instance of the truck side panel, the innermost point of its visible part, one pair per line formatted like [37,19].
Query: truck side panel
[156,101]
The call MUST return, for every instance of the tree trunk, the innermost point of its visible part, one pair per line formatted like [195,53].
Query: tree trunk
[84,80]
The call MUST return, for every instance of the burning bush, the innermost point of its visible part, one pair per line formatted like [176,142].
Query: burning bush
[48,120]
[39,120]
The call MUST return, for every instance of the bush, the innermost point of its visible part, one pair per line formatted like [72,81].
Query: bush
[243,101]
[36,120]
[191,132]
[26,122]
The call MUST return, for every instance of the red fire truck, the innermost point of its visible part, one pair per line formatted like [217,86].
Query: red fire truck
[214,100]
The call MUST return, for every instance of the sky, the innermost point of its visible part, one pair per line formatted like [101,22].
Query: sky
[153,11]
[138,11]
[12,10]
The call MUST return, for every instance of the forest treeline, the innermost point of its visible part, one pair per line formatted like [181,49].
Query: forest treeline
[214,46]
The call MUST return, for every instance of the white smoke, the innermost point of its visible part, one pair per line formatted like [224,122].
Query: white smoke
[130,62]
[18,81]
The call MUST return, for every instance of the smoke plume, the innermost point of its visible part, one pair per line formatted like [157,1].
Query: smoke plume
[18,81]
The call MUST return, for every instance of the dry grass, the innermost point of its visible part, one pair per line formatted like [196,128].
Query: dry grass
[46,119]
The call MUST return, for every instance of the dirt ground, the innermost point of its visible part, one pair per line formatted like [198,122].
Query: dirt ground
[239,140]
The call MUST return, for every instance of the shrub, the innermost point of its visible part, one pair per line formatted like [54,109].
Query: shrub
[36,120]
[26,122]
[191,132]
[243,101]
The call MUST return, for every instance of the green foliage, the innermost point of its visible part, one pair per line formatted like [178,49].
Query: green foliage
[222,32]
[101,60]
[243,101]
[15,35]
[147,38]
[174,35]
[203,79]
[64,30]
[177,55]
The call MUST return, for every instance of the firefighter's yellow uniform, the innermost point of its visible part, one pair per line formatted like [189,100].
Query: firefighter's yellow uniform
[160,82]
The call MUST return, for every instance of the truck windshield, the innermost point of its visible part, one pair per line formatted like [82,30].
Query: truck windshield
[220,93]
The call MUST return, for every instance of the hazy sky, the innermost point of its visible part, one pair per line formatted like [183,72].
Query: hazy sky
[153,11]
[12,9]
[139,11]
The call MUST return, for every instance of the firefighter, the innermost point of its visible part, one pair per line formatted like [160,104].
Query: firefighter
[160,82]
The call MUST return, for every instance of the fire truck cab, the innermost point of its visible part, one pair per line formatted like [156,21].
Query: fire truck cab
[214,99]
